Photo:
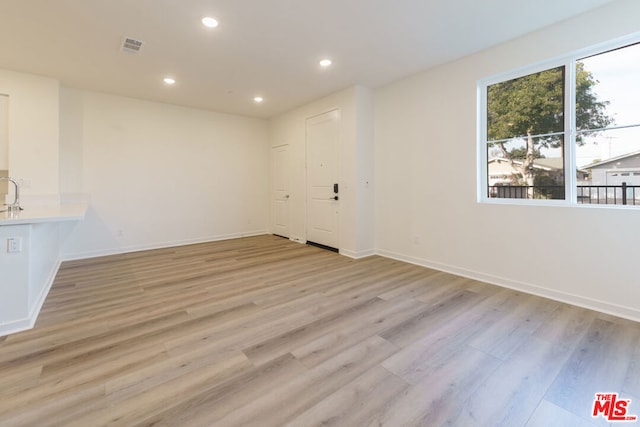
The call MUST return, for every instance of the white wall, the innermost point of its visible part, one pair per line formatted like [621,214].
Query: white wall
[155,175]
[365,174]
[355,165]
[33,134]
[4,145]
[426,175]
[160,175]
[71,144]
[4,132]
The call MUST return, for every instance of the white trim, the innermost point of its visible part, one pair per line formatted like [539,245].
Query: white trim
[160,245]
[17,326]
[569,62]
[570,166]
[576,300]
[357,254]
[482,168]
[540,135]
[606,46]
[340,144]
[483,141]
[580,132]
[524,71]
[34,311]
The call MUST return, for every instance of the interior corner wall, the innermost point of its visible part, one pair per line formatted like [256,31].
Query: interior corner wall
[355,165]
[426,192]
[365,173]
[160,175]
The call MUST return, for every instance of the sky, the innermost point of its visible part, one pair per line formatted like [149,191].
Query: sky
[618,73]
[618,76]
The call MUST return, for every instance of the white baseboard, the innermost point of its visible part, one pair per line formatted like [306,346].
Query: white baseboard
[357,254]
[28,323]
[577,300]
[161,245]
[35,310]
[16,326]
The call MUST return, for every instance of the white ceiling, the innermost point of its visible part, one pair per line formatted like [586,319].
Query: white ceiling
[265,47]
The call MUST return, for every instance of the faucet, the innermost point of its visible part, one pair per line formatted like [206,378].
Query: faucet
[15,206]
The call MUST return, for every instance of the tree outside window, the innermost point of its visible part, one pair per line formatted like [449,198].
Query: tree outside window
[527,137]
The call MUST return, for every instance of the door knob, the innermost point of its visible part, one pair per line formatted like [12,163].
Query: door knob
[333,198]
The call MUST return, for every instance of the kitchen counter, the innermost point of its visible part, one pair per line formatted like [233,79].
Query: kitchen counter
[40,214]
[30,243]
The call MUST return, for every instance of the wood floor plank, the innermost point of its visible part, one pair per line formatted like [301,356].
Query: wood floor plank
[441,395]
[285,403]
[547,414]
[274,347]
[516,387]
[355,404]
[599,362]
[326,346]
[16,381]
[566,325]
[250,330]
[55,409]
[631,383]
[207,408]
[414,328]
[263,331]
[138,407]
[428,355]
[514,328]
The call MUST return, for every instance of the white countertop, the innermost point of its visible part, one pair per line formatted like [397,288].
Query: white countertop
[39,214]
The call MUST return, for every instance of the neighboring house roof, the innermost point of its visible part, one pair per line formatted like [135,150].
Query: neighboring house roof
[606,163]
[552,164]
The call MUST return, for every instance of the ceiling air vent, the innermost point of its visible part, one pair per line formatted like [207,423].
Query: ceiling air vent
[131,45]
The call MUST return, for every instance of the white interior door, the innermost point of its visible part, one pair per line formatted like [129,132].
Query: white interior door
[322,179]
[280,210]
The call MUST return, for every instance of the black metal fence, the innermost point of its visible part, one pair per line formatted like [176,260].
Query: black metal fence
[587,194]
[526,191]
[609,194]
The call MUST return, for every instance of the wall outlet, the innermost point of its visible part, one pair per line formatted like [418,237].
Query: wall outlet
[14,244]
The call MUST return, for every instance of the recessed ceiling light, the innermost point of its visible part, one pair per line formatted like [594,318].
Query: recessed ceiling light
[325,63]
[209,22]
[169,81]
[258,99]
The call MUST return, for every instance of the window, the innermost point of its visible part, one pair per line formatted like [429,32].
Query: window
[580,113]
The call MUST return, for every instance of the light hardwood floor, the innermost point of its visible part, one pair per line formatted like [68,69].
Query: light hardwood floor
[265,332]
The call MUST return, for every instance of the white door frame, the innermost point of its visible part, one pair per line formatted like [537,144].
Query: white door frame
[337,178]
[285,197]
